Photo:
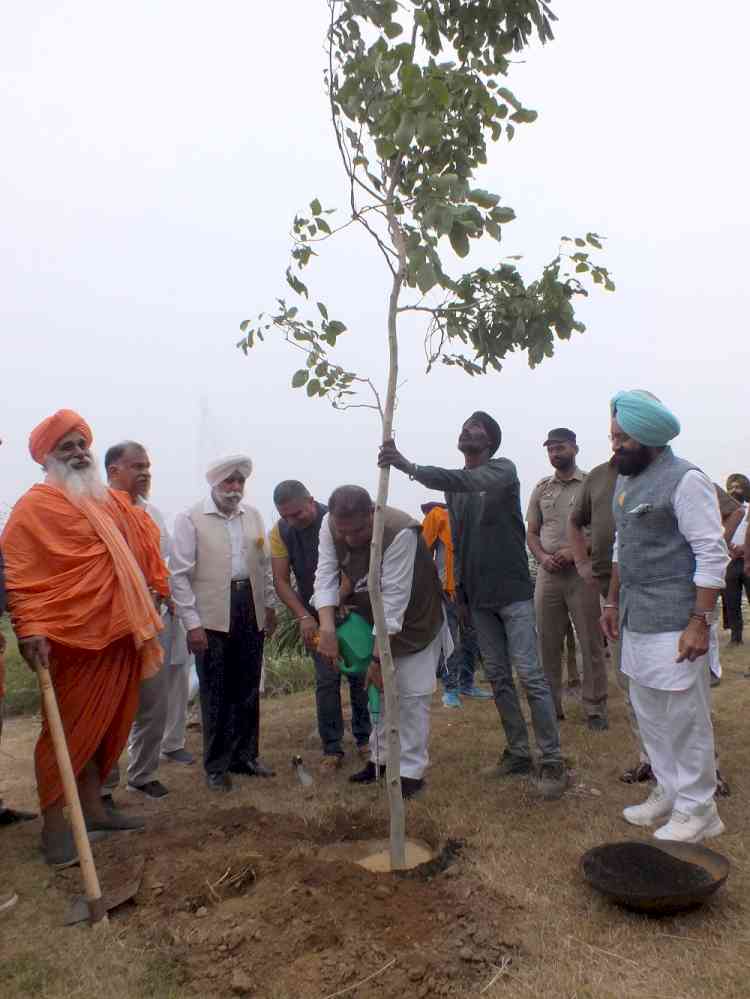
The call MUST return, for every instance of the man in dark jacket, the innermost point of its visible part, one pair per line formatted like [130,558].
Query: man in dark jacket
[492,579]
[294,549]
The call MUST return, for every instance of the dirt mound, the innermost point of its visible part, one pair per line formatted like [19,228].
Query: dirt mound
[243,905]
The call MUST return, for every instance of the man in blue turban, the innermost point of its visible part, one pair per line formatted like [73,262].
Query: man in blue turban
[645,418]
[669,561]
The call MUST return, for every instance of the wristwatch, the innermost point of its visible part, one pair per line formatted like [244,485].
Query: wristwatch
[706,617]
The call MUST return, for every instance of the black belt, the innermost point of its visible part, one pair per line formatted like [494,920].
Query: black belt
[240,584]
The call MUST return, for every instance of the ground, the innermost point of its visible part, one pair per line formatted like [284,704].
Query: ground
[234,899]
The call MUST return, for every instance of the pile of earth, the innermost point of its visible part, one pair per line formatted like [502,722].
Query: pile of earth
[241,903]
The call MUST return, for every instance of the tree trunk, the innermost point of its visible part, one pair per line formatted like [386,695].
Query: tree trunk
[393,767]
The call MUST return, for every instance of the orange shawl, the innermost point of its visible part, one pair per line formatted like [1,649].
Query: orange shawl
[78,572]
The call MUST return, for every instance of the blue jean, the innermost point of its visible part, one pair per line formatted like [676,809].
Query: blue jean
[507,638]
[458,673]
[328,703]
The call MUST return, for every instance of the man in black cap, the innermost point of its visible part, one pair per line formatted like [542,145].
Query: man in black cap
[560,592]
[492,579]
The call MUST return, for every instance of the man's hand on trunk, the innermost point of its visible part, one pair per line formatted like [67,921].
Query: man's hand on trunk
[389,456]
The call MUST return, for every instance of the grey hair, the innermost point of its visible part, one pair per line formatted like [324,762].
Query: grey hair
[288,490]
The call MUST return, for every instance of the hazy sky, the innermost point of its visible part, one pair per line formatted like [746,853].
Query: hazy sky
[155,153]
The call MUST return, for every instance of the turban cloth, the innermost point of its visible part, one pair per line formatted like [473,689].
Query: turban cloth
[492,429]
[219,470]
[44,438]
[644,418]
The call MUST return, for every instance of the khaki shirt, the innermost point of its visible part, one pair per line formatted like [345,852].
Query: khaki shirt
[549,509]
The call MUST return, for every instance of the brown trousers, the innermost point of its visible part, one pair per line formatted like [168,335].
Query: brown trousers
[557,596]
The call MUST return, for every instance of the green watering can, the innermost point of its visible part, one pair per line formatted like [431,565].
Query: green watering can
[356,642]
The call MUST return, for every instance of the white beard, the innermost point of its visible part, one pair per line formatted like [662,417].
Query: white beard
[78,483]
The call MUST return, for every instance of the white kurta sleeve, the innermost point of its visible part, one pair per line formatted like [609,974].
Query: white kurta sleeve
[699,522]
[183,555]
[397,576]
[327,574]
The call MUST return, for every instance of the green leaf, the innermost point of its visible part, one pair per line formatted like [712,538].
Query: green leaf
[459,240]
[510,132]
[404,132]
[336,327]
[524,116]
[493,229]
[315,207]
[485,199]
[324,227]
[300,377]
[439,91]
[580,242]
[393,30]
[502,215]
[509,96]
[312,387]
[581,268]
[322,310]
[426,277]
[429,131]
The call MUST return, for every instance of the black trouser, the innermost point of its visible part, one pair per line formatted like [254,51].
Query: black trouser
[328,703]
[229,677]
[737,579]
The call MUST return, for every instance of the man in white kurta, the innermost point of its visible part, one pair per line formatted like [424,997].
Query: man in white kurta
[669,563]
[414,619]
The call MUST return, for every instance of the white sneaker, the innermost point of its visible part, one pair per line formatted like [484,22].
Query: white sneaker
[656,806]
[684,828]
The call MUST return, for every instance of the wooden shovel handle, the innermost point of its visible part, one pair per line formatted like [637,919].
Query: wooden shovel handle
[97,912]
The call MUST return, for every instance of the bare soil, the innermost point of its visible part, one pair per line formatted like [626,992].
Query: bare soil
[235,899]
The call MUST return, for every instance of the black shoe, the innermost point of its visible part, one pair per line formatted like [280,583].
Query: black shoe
[638,775]
[368,775]
[411,786]
[219,782]
[152,789]
[597,723]
[9,816]
[251,768]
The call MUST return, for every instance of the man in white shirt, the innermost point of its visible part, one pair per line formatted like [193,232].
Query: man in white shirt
[128,469]
[669,561]
[412,598]
[223,591]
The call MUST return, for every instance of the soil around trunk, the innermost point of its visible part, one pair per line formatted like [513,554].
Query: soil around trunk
[242,903]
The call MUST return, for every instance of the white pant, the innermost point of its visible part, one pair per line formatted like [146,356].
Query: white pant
[178,691]
[676,728]
[415,680]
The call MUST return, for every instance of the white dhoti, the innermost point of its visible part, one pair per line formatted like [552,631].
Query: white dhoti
[672,702]
[415,680]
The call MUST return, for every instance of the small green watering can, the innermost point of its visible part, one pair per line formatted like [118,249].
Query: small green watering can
[356,642]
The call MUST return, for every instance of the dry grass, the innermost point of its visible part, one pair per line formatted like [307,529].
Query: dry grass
[575,946]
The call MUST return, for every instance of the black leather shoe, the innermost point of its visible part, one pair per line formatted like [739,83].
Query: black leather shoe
[9,816]
[219,782]
[411,786]
[252,768]
[366,776]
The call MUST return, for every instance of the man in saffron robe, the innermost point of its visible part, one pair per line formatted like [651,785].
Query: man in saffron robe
[82,567]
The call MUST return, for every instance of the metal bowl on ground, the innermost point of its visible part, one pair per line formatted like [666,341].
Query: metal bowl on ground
[658,880]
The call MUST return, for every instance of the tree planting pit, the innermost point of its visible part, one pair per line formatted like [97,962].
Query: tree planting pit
[375,854]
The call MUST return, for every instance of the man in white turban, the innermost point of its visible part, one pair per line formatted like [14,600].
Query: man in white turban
[223,591]
[669,561]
